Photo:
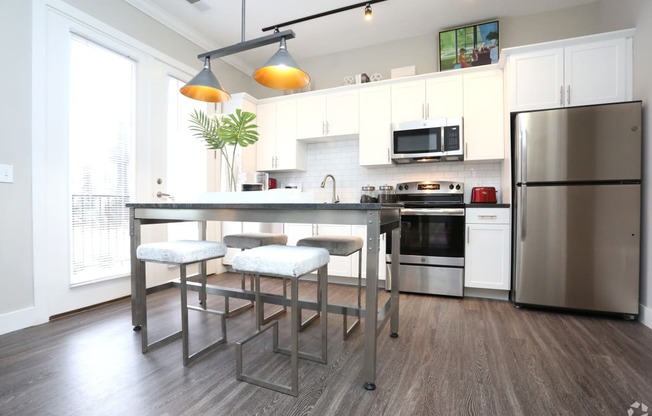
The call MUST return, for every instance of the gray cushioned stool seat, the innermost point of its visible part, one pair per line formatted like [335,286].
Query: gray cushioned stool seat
[251,240]
[337,245]
[284,261]
[292,263]
[180,251]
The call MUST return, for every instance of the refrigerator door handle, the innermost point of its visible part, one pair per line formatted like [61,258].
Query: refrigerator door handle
[523,134]
[523,209]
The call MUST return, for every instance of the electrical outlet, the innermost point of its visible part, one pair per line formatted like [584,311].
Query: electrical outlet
[7,173]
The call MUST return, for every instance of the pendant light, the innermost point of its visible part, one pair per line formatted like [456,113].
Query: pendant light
[205,86]
[281,71]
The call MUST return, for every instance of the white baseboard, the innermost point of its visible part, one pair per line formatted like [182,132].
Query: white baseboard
[645,316]
[24,318]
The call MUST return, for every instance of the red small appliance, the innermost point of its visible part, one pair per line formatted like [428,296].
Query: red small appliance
[484,194]
[271,183]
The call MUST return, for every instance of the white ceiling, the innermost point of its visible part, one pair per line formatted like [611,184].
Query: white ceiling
[214,24]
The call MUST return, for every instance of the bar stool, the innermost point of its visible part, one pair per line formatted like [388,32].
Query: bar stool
[291,263]
[182,253]
[342,246]
[247,241]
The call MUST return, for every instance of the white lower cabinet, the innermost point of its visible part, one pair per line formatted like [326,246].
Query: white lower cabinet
[487,255]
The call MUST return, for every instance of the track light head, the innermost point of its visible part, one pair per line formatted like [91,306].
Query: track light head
[368,13]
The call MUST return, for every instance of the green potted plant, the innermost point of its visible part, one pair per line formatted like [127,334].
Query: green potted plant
[225,133]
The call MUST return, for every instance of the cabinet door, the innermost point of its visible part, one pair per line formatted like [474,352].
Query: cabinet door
[408,101]
[311,116]
[596,73]
[445,97]
[484,137]
[375,126]
[486,260]
[536,80]
[266,144]
[228,228]
[338,266]
[288,153]
[342,113]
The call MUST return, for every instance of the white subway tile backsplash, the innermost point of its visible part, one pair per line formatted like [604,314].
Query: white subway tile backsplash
[340,159]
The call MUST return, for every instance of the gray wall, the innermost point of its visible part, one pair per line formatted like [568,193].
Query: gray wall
[422,52]
[15,149]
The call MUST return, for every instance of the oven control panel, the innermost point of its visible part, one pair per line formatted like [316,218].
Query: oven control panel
[430,187]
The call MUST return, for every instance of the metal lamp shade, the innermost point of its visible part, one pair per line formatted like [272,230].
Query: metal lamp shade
[205,87]
[281,72]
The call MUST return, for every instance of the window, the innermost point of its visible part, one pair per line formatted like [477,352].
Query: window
[101,160]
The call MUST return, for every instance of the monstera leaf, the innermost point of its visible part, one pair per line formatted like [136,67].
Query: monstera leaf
[218,133]
[239,129]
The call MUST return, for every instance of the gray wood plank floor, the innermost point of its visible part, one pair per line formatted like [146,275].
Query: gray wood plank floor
[453,357]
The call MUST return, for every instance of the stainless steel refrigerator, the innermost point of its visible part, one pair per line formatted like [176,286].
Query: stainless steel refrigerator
[577,208]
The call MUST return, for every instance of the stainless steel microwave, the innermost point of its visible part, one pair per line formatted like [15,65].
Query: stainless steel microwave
[428,140]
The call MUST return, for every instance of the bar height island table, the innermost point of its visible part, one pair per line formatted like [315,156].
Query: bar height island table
[378,219]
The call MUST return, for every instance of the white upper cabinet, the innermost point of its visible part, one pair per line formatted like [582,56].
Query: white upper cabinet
[536,80]
[437,97]
[484,133]
[408,101]
[327,114]
[375,130]
[445,96]
[277,147]
[582,71]
[596,73]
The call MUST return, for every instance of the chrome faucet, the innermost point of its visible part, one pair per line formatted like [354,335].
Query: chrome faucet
[336,198]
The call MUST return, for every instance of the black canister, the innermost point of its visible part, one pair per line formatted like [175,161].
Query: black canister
[368,195]
[386,194]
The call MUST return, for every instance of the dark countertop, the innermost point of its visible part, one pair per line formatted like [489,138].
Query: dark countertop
[486,205]
[267,206]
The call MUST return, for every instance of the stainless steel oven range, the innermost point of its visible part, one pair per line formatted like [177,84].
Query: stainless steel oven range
[432,238]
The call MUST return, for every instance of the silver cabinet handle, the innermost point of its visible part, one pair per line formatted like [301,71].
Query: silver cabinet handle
[561,96]
[493,217]
[468,234]
[388,158]
[160,194]
[568,95]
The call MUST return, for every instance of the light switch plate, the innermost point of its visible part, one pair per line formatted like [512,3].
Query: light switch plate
[7,173]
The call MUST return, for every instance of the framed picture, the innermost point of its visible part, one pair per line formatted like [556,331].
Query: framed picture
[467,46]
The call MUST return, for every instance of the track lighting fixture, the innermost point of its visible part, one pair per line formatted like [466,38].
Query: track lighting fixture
[368,12]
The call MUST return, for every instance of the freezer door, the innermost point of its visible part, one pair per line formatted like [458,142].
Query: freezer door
[578,247]
[579,144]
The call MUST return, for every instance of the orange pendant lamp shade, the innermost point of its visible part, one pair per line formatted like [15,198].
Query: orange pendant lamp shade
[281,71]
[205,86]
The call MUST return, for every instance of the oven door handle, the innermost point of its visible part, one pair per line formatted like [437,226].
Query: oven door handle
[441,212]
